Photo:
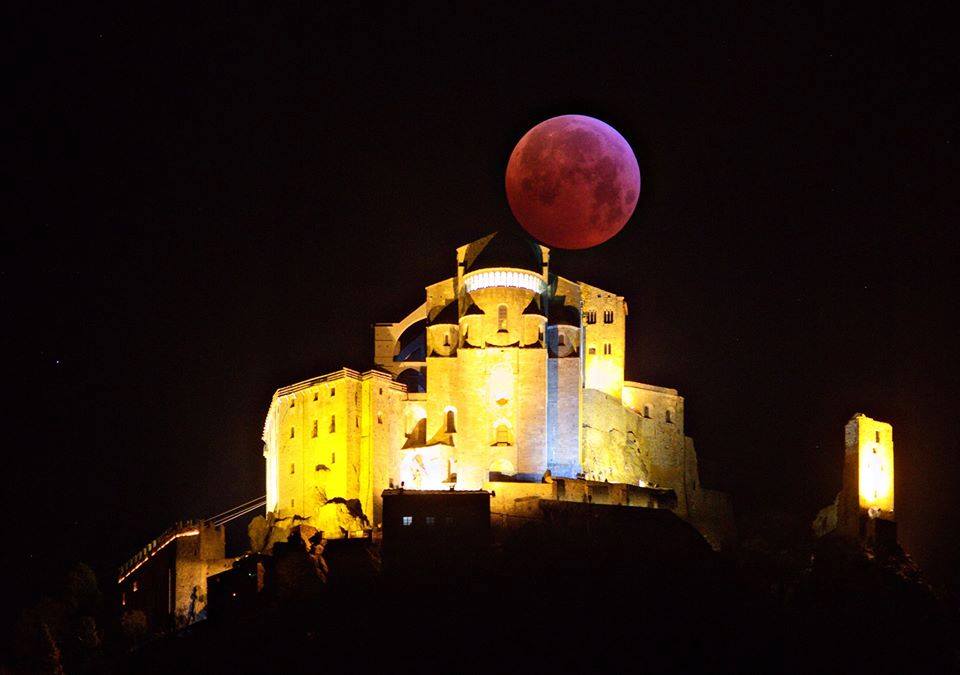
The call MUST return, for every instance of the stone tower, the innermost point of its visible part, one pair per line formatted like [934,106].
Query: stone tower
[865,508]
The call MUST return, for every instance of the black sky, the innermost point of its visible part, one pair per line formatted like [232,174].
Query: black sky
[208,204]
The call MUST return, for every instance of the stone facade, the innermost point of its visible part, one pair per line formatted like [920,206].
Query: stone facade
[507,373]
[167,579]
[867,492]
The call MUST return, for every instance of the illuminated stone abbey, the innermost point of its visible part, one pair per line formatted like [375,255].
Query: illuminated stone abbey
[508,377]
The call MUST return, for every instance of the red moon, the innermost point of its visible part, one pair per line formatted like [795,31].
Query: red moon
[573,182]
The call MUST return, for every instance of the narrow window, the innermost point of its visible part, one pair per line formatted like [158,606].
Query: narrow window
[293,432]
[503,435]
[431,520]
[591,316]
[291,503]
[451,422]
[646,411]
[293,402]
[878,437]
[407,521]
[540,335]
[608,316]
[446,340]
[561,340]
[333,457]
[669,417]
[333,391]
[357,422]
[313,434]
[333,423]
[315,396]
[293,468]
[381,391]
[607,348]
[502,318]
[379,418]
[136,586]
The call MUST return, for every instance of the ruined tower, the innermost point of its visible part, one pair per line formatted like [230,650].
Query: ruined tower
[865,508]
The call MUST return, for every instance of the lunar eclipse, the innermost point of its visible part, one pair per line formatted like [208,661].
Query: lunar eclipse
[572,182]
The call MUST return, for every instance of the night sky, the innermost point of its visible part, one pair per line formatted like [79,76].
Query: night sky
[210,204]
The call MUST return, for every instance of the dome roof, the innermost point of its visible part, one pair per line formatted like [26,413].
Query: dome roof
[508,249]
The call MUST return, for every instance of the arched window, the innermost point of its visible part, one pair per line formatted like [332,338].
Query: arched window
[502,318]
[646,411]
[446,340]
[503,435]
[561,340]
[451,422]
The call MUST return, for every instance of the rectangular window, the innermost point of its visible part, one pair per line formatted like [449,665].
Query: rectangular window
[608,316]
[431,520]
[561,340]
[381,391]
[379,418]
[446,340]
[313,434]
[607,348]
[333,457]
[669,417]
[291,503]
[293,432]
[333,423]
[293,402]
[592,350]
[293,468]
[356,422]
[333,391]
[315,396]
[591,316]
[407,521]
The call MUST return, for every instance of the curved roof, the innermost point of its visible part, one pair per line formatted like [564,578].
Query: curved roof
[508,249]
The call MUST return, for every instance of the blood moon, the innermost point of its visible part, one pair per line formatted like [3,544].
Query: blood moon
[573,181]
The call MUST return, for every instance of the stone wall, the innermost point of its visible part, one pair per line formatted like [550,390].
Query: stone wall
[603,318]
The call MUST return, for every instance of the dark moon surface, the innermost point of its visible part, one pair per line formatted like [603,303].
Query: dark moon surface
[573,182]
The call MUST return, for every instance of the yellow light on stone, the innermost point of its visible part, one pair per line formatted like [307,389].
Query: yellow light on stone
[501,384]
[605,375]
[875,465]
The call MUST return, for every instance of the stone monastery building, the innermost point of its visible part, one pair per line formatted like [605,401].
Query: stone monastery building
[508,378]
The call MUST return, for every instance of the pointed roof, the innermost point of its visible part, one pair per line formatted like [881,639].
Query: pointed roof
[533,308]
[564,315]
[447,315]
[472,308]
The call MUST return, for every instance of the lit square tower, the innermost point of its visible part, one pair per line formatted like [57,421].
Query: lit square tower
[867,493]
